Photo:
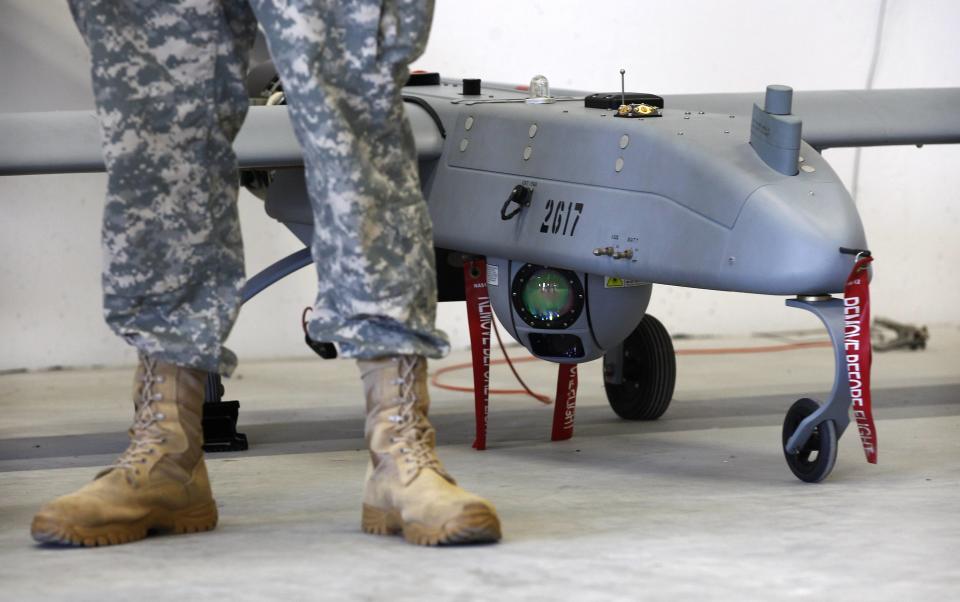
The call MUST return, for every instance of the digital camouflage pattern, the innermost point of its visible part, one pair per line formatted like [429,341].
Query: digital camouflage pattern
[342,64]
[168,81]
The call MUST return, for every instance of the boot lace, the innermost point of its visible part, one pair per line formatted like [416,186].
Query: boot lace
[413,428]
[145,434]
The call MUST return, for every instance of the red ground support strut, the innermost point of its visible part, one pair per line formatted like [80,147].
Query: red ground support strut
[479,319]
[565,406]
[479,315]
[859,352]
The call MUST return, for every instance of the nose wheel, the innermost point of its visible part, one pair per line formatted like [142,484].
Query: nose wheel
[639,374]
[814,460]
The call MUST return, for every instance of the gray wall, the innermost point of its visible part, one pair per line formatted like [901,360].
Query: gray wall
[49,253]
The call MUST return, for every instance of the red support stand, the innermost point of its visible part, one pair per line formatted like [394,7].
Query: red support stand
[565,406]
[479,316]
[859,349]
[479,319]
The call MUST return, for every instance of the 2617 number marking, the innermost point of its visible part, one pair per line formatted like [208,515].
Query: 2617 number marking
[562,218]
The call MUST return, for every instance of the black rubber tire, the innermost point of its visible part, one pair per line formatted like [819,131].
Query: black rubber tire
[823,442]
[649,373]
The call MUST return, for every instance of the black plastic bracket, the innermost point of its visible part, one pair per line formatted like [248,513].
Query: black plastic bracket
[220,420]
[519,195]
[611,101]
[327,351]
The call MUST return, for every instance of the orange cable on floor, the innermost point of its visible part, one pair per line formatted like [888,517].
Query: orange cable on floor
[758,349]
[435,379]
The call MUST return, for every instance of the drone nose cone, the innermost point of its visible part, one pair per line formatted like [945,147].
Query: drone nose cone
[789,235]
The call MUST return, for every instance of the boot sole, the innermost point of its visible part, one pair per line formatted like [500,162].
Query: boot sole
[200,518]
[476,524]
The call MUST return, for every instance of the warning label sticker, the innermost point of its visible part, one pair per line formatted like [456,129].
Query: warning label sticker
[493,275]
[614,282]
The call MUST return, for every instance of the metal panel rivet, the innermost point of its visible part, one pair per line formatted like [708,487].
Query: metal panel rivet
[624,141]
[533,130]
[527,151]
[619,164]
[468,123]
[463,144]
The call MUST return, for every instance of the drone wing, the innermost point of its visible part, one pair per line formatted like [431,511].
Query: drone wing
[69,141]
[840,118]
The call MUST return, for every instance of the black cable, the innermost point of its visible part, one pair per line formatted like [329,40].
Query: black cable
[430,111]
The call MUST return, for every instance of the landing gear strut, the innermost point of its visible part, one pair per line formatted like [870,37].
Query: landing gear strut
[811,429]
[220,417]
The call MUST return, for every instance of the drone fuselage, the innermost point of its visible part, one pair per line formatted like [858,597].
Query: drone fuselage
[681,199]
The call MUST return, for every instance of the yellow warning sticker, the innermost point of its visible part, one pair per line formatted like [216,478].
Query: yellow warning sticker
[615,282]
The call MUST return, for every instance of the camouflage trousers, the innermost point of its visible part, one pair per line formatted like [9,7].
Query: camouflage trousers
[168,79]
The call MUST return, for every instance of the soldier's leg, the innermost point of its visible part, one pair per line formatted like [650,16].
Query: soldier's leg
[168,81]
[343,65]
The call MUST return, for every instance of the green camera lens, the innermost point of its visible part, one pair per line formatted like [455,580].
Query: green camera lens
[547,295]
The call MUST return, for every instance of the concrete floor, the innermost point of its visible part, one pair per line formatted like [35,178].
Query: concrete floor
[698,505]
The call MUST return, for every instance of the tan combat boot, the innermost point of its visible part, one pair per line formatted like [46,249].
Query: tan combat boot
[158,484]
[407,488]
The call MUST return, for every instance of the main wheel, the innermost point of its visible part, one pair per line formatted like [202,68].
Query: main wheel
[649,373]
[816,458]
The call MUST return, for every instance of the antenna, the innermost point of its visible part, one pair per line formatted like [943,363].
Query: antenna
[623,88]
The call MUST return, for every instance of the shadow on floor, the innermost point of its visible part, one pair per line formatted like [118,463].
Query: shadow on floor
[281,432]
